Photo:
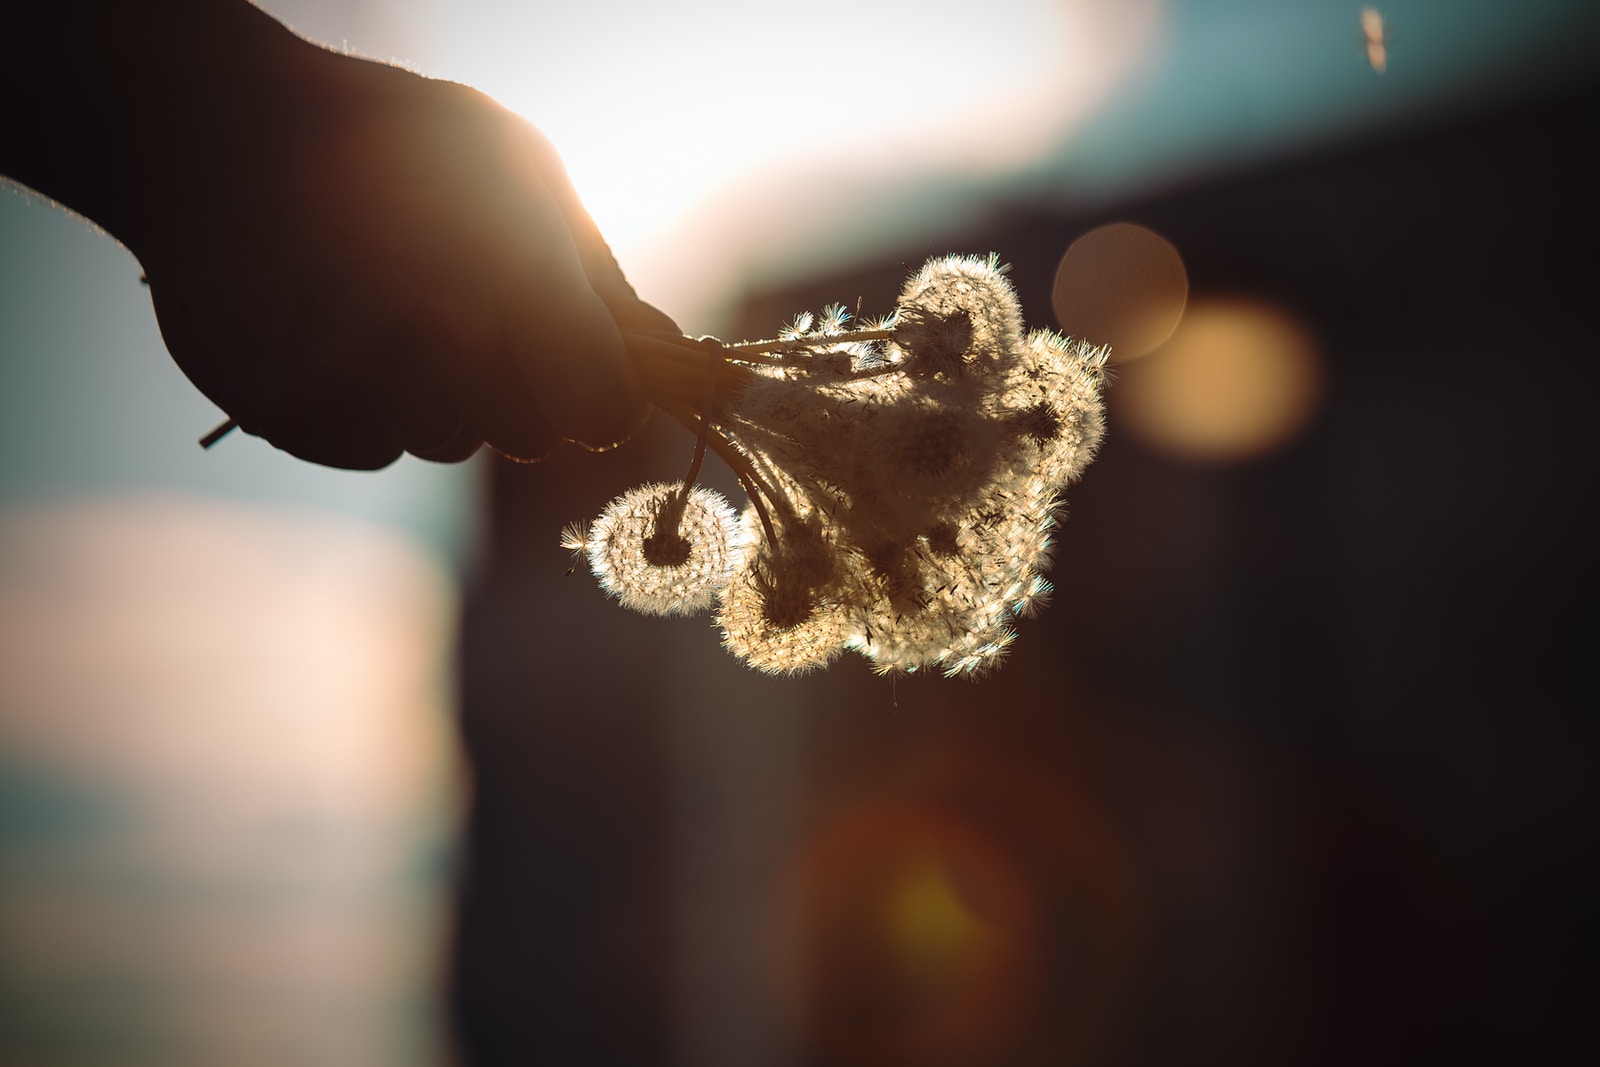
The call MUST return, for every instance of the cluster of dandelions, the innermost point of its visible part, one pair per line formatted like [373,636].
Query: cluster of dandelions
[903,479]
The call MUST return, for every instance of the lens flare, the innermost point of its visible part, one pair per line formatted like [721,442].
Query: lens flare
[905,932]
[965,907]
[1237,379]
[1122,285]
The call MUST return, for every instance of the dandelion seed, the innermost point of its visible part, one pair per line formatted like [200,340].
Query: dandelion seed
[975,656]
[1033,599]
[575,537]
[796,329]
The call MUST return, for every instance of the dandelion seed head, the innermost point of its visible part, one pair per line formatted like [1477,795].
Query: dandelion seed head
[776,612]
[965,297]
[914,462]
[1052,398]
[929,606]
[807,645]
[804,429]
[662,551]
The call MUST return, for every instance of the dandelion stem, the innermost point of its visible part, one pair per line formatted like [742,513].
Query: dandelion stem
[755,486]
[802,344]
[699,345]
[678,371]
[761,511]
[705,422]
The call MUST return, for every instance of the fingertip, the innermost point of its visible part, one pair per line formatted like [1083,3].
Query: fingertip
[351,454]
[460,446]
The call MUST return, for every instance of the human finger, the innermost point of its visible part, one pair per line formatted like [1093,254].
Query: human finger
[326,431]
[568,347]
[469,359]
[407,402]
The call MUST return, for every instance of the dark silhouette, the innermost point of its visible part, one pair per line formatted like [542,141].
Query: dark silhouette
[350,259]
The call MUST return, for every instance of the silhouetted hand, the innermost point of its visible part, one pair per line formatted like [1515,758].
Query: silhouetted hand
[355,261]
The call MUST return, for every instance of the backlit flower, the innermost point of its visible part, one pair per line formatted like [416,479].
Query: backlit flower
[904,479]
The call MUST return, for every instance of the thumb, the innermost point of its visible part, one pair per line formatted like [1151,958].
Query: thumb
[599,265]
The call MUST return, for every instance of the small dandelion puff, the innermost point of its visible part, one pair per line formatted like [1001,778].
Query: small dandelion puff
[969,293]
[776,613]
[798,328]
[798,642]
[662,551]
[834,316]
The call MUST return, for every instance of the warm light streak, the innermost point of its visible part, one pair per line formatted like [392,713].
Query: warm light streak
[1372,30]
[904,932]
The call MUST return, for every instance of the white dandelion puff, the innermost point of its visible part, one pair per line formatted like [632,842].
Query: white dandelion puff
[960,315]
[780,612]
[663,551]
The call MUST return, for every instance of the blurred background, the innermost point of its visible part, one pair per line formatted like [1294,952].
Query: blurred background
[299,765]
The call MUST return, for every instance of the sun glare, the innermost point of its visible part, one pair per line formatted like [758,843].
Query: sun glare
[665,115]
